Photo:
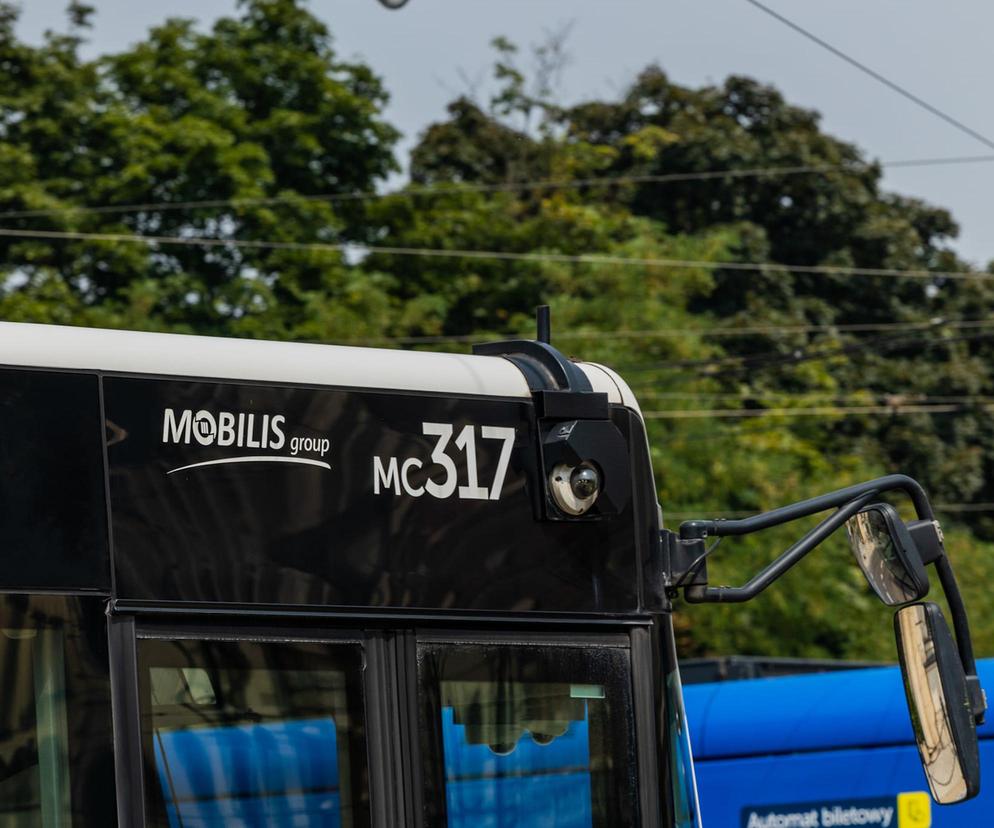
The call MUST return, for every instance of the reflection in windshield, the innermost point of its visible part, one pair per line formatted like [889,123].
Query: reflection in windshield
[253,734]
[538,769]
[56,759]
[529,737]
[34,737]
[930,718]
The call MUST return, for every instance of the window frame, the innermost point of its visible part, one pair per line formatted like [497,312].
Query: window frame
[581,640]
[378,696]
[391,699]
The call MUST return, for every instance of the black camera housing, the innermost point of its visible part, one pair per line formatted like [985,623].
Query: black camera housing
[599,443]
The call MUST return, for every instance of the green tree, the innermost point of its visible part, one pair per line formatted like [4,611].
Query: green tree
[260,107]
[839,216]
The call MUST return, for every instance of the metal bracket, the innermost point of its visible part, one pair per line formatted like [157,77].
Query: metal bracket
[573,421]
[686,562]
[927,536]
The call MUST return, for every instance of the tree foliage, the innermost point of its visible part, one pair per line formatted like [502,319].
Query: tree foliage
[831,211]
[259,107]
[260,116]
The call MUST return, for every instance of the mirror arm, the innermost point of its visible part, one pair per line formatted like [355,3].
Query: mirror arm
[927,536]
[964,643]
[693,529]
[699,593]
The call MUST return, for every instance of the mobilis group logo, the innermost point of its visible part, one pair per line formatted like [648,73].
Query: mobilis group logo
[242,430]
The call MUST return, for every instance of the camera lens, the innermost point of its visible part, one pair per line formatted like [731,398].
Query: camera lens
[585,482]
[575,488]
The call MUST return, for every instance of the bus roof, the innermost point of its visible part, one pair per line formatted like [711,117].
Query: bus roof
[292,363]
[825,711]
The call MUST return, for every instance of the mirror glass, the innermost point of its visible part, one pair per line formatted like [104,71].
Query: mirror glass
[886,554]
[935,685]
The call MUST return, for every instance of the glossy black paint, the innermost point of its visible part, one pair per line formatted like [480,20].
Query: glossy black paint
[648,523]
[127,720]
[53,514]
[273,533]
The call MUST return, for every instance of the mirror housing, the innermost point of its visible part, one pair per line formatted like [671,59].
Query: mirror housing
[938,702]
[888,555]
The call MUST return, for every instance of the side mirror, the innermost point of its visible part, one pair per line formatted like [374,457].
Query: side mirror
[887,554]
[938,702]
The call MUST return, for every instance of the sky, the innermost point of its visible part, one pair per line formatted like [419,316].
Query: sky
[432,50]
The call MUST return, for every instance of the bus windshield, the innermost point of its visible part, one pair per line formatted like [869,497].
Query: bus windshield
[527,737]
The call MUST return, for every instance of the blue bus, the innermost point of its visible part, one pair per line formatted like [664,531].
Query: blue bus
[773,746]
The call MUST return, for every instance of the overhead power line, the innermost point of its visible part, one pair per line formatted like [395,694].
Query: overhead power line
[889,399]
[853,167]
[814,411]
[749,363]
[862,67]
[666,333]
[965,507]
[682,513]
[494,255]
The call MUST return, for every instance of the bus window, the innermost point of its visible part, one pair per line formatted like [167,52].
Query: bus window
[527,736]
[56,765]
[253,733]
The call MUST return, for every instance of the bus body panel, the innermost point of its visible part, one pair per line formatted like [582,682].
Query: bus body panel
[791,714]
[53,512]
[730,787]
[246,494]
[379,499]
[828,737]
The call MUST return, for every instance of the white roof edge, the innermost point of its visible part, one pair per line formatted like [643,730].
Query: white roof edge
[606,381]
[28,345]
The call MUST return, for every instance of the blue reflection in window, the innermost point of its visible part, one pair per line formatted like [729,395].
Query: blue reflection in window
[534,786]
[280,773]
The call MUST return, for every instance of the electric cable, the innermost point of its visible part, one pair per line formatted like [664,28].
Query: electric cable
[856,397]
[682,513]
[697,563]
[492,255]
[767,359]
[745,362]
[862,67]
[815,411]
[701,331]
[853,168]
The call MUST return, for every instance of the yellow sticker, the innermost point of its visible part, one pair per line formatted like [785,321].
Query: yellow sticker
[914,810]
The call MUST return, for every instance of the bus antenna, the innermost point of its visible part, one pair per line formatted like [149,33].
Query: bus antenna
[543,321]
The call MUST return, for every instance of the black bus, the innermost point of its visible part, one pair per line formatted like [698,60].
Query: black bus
[265,584]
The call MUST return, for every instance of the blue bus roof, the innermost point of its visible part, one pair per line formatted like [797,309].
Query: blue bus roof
[824,711]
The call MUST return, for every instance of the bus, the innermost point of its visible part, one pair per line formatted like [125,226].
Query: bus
[838,736]
[251,583]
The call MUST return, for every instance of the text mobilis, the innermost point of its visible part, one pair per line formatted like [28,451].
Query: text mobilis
[224,429]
